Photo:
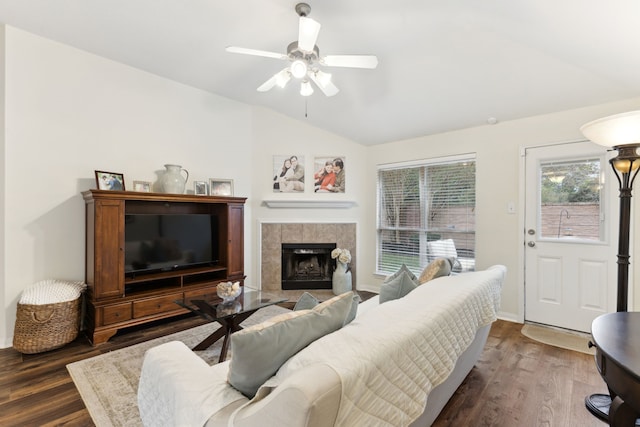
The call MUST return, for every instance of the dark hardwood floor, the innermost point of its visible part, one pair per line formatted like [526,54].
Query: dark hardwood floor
[517,382]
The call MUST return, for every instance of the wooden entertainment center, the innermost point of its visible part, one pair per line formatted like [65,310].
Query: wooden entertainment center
[116,300]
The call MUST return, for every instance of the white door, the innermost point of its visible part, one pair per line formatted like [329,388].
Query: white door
[570,235]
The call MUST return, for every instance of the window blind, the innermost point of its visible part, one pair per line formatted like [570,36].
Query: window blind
[423,203]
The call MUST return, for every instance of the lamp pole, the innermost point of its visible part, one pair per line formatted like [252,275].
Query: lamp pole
[622,132]
[626,167]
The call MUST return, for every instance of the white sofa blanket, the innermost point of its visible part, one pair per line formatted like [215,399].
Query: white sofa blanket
[387,359]
[201,392]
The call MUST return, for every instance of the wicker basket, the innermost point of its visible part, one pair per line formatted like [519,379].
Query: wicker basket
[46,326]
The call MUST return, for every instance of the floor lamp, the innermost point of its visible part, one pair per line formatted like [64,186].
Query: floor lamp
[622,133]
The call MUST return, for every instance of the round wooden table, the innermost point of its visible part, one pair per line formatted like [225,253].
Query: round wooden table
[617,340]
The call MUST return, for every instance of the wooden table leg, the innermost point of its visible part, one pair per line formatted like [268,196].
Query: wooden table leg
[208,341]
[228,326]
[225,345]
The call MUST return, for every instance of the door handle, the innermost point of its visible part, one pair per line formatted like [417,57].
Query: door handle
[531,244]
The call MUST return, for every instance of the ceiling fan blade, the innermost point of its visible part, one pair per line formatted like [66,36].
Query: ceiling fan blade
[351,61]
[308,33]
[323,81]
[255,52]
[280,78]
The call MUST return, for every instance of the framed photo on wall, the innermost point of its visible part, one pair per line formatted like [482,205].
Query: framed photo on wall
[220,187]
[329,174]
[109,181]
[142,186]
[288,174]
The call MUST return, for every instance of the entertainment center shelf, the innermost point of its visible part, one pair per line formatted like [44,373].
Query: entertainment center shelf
[199,276]
[121,294]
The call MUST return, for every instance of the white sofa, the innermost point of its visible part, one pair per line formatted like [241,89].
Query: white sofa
[396,364]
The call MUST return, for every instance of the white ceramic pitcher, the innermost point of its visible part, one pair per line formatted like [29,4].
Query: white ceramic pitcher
[172,179]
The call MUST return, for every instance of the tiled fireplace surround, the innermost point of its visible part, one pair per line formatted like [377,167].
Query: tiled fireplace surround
[274,234]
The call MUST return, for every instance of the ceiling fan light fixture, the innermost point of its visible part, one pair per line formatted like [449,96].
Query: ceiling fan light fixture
[306,89]
[282,78]
[298,69]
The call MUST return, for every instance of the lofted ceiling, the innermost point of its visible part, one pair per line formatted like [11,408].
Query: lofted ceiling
[442,65]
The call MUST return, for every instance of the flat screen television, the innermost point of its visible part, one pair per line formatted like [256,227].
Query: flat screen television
[169,242]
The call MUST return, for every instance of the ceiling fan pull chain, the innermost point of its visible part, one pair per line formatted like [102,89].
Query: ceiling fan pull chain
[305,107]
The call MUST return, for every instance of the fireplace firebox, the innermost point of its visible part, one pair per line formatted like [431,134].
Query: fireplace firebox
[307,265]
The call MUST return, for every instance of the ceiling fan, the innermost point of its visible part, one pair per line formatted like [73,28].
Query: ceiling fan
[305,60]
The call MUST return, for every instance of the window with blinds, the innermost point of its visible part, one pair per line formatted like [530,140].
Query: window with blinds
[426,210]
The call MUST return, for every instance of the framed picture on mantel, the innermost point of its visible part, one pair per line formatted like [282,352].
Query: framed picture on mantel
[142,186]
[220,187]
[109,181]
[200,188]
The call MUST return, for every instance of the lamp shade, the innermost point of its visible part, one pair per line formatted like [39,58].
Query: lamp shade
[613,131]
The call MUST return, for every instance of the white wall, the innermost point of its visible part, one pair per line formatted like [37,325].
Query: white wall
[69,113]
[295,137]
[3,181]
[498,147]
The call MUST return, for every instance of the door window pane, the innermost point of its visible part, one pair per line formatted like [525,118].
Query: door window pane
[570,195]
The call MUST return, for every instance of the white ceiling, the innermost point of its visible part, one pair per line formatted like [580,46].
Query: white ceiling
[443,65]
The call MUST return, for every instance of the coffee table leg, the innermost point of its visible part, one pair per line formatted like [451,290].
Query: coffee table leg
[229,325]
[225,345]
[208,341]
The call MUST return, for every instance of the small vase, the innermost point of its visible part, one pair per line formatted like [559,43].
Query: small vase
[172,181]
[228,300]
[341,279]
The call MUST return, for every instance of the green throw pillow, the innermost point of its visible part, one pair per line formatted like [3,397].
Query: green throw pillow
[398,287]
[260,350]
[403,269]
[354,308]
[306,302]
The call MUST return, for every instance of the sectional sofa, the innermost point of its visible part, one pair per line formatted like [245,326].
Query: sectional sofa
[396,364]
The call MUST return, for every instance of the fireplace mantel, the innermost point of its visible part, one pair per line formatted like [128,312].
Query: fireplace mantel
[310,204]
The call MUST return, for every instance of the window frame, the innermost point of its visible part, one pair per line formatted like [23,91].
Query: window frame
[602,200]
[423,228]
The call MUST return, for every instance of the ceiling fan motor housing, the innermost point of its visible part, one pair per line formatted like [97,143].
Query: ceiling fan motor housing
[310,58]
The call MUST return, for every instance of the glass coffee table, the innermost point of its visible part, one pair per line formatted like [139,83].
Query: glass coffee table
[229,315]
